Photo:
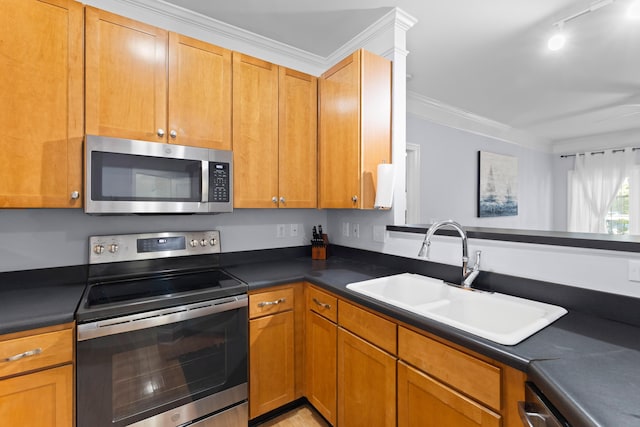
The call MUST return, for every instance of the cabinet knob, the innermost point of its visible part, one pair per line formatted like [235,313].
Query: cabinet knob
[75,195]
[282,200]
[354,199]
[161,132]
[173,134]
[274,199]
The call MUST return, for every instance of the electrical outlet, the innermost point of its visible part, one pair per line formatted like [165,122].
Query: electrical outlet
[634,271]
[280,231]
[294,230]
[356,231]
[345,229]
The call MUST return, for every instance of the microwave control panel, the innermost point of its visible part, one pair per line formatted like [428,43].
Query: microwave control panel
[219,182]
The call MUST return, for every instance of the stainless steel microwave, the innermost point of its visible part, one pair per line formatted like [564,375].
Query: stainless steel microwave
[124,176]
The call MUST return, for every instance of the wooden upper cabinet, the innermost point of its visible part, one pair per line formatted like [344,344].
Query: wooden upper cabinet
[255,132]
[354,130]
[199,93]
[126,77]
[298,130]
[145,83]
[41,110]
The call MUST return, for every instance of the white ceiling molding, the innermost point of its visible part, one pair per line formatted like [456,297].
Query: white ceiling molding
[376,38]
[603,141]
[192,24]
[447,115]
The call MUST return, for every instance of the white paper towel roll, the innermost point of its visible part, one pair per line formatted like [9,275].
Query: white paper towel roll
[384,190]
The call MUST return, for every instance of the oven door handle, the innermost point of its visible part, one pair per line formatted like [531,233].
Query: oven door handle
[150,319]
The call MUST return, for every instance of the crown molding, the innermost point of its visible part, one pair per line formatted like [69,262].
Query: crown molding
[447,115]
[175,18]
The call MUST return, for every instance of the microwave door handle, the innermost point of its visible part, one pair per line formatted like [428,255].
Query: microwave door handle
[205,181]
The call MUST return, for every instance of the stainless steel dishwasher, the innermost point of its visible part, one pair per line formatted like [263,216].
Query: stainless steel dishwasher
[537,411]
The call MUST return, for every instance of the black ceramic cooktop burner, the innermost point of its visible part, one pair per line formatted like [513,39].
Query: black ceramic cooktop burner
[156,285]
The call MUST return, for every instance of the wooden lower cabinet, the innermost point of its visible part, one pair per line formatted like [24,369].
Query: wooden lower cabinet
[36,377]
[271,358]
[39,399]
[321,363]
[366,383]
[426,402]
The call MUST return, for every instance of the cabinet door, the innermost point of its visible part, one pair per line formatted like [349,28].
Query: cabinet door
[321,355]
[199,93]
[126,77]
[255,133]
[425,402]
[366,383]
[43,398]
[339,133]
[271,358]
[41,108]
[298,130]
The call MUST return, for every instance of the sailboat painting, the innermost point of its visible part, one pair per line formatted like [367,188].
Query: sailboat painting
[497,185]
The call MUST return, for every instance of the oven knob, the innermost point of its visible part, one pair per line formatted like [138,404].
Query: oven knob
[113,248]
[203,242]
[98,249]
[193,243]
[213,241]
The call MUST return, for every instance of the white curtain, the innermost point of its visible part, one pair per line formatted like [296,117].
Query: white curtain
[593,186]
[634,200]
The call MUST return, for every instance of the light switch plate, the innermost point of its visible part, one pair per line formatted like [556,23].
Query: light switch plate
[345,229]
[634,271]
[379,233]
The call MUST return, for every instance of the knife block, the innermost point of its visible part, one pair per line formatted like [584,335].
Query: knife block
[319,248]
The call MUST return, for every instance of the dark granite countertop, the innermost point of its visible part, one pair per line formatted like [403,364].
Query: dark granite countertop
[585,364]
[33,299]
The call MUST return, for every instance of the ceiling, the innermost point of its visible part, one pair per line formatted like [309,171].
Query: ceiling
[488,58]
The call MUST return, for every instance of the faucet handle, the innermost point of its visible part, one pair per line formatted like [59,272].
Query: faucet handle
[476,266]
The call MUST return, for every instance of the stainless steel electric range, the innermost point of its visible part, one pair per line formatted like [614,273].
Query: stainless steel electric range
[162,334]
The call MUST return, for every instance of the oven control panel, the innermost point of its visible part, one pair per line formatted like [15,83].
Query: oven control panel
[132,247]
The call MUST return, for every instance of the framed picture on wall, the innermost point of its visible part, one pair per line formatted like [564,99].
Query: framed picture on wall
[497,185]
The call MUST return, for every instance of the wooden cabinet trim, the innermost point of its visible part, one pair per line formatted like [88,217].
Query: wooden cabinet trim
[54,348]
[369,326]
[322,303]
[460,409]
[271,302]
[466,373]
[200,93]
[41,398]
[321,364]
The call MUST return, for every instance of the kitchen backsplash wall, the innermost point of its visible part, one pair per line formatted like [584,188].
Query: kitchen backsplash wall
[41,238]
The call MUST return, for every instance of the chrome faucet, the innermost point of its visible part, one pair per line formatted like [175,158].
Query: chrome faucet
[468,276]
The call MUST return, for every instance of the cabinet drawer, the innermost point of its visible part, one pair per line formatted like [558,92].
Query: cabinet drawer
[463,372]
[322,303]
[270,302]
[35,352]
[372,328]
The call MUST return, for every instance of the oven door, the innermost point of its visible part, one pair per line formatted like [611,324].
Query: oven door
[166,367]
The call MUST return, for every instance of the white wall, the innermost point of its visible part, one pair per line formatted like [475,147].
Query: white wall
[449,177]
[41,238]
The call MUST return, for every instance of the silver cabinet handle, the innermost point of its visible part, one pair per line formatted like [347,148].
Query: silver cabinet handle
[322,304]
[75,195]
[160,132]
[268,303]
[173,134]
[528,418]
[33,352]
[282,200]
[274,199]
[354,199]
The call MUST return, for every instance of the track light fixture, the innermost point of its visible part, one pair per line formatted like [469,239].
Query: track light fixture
[558,39]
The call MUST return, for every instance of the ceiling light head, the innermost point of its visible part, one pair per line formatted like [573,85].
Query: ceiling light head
[558,39]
